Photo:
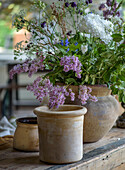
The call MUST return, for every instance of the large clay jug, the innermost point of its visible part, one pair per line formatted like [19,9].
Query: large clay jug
[101,115]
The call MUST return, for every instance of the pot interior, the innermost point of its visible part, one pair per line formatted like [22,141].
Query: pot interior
[28,120]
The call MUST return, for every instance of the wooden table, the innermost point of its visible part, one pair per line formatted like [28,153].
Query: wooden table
[106,154]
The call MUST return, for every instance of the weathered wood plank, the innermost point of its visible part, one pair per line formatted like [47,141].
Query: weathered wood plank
[106,154]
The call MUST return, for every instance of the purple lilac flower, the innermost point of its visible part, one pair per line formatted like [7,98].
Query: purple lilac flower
[43,24]
[56,94]
[107,13]
[90,1]
[102,6]
[71,63]
[66,4]
[109,3]
[118,14]
[84,94]
[73,4]
[87,2]
[30,66]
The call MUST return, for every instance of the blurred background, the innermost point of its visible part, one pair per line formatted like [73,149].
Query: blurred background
[10,100]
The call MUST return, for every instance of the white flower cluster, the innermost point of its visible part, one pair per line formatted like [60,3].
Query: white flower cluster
[97,26]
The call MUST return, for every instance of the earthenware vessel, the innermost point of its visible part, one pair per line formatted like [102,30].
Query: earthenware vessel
[60,133]
[26,134]
[101,115]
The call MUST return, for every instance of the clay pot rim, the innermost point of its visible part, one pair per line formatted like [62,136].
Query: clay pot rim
[45,111]
[27,121]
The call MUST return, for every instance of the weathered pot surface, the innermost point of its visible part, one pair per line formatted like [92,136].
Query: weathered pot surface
[100,118]
[26,134]
[61,133]
[101,115]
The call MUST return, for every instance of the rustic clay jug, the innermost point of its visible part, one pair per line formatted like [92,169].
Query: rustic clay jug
[60,133]
[26,134]
[101,115]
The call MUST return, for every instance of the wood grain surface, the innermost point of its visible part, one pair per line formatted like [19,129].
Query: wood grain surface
[106,154]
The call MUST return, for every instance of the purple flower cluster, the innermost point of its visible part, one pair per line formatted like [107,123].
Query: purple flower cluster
[109,9]
[30,66]
[88,2]
[56,94]
[84,94]
[73,4]
[43,24]
[71,63]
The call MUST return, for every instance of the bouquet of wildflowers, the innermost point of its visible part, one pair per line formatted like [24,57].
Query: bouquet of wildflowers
[79,47]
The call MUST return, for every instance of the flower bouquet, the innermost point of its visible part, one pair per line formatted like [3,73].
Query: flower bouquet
[78,46]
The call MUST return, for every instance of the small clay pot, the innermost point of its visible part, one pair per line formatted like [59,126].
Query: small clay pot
[26,134]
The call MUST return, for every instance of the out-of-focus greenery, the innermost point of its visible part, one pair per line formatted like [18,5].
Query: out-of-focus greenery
[5,32]
[9,7]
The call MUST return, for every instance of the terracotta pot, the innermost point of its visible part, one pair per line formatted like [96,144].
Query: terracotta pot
[61,133]
[26,134]
[101,115]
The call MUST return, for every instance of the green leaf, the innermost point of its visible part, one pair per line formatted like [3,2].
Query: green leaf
[107,76]
[106,54]
[120,94]
[123,98]
[71,80]
[117,37]
[122,77]
[86,78]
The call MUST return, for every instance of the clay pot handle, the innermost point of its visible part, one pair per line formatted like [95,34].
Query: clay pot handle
[121,109]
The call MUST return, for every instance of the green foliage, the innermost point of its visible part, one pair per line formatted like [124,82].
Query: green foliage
[102,63]
[5,31]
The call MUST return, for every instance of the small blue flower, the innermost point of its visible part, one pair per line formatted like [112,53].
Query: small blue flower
[76,50]
[61,42]
[67,50]
[66,42]
[76,43]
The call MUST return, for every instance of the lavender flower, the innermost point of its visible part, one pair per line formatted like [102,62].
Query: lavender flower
[102,6]
[43,24]
[88,2]
[56,94]
[73,4]
[30,66]
[84,94]
[66,4]
[71,63]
